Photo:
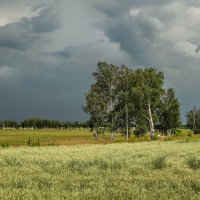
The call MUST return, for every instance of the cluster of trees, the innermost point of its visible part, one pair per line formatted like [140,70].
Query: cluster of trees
[9,124]
[193,120]
[122,98]
[37,123]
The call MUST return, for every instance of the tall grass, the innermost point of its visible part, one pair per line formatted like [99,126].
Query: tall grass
[156,170]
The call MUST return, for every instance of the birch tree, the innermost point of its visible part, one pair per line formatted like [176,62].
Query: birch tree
[150,88]
[95,107]
[193,119]
[107,82]
[169,118]
[126,98]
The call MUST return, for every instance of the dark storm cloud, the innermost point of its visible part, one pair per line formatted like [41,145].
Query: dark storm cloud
[16,36]
[66,53]
[49,49]
[117,8]
[135,36]
[21,35]
[164,34]
[46,21]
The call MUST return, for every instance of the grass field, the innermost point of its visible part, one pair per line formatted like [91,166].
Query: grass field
[146,170]
[42,137]
[46,137]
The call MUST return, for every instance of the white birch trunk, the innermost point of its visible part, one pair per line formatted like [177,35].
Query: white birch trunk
[95,133]
[112,137]
[152,130]
[127,127]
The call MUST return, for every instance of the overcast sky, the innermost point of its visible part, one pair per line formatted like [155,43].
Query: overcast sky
[49,49]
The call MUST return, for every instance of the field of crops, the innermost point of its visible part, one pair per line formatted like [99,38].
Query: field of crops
[147,170]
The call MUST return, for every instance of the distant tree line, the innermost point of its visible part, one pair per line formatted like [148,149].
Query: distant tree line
[193,120]
[37,123]
[122,98]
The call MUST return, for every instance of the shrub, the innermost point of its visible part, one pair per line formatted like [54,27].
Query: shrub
[157,136]
[29,141]
[197,131]
[140,130]
[4,145]
[159,162]
[194,163]
[189,133]
[183,132]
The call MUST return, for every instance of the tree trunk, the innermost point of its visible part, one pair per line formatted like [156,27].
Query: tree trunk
[112,137]
[152,130]
[112,118]
[169,132]
[95,133]
[194,121]
[127,127]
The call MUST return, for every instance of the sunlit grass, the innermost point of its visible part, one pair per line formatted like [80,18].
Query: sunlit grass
[71,137]
[146,170]
[46,137]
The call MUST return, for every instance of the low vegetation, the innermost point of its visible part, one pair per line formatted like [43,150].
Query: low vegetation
[54,137]
[150,170]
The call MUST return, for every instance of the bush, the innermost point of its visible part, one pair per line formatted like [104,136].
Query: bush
[183,132]
[194,163]
[197,131]
[157,136]
[179,132]
[159,162]
[31,143]
[4,145]
[140,130]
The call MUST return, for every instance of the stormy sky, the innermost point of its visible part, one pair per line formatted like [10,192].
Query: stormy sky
[49,49]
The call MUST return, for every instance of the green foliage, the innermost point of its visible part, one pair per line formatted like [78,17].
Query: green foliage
[197,131]
[32,143]
[159,162]
[178,132]
[169,113]
[157,135]
[193,119]
[189,133]
[5,144]
[37,123]
[140,130]
[122,97]
[9,124]
[29,141]
[194,163]
[101,99]
[183,132]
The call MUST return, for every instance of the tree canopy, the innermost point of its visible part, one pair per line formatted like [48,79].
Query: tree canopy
[122,98]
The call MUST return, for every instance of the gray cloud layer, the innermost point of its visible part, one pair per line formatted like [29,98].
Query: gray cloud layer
[49,49]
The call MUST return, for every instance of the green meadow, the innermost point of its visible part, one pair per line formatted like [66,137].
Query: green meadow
[145,170]
[18,137]
[42,137]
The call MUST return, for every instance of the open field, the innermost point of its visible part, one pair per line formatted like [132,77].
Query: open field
[48,137]
[147,170]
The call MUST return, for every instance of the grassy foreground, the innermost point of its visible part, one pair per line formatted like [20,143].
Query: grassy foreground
[147,170]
